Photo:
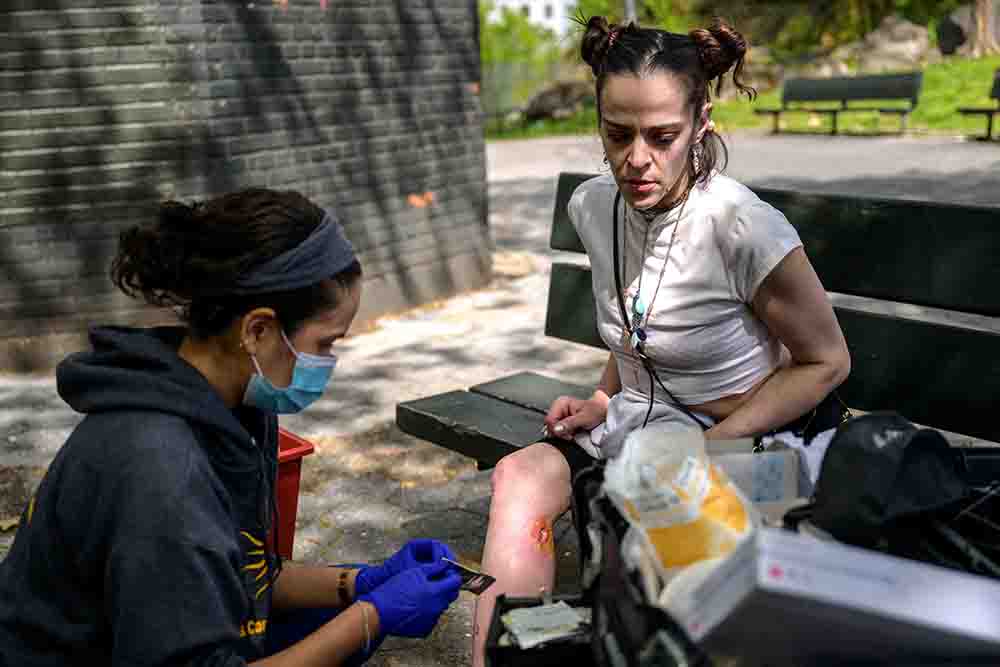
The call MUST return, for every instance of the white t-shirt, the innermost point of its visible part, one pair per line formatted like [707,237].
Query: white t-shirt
[702,336]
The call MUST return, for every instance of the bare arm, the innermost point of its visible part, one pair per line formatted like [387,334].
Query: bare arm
[610,383]
[333,643]
[793,304]
[310,586]
[567,415]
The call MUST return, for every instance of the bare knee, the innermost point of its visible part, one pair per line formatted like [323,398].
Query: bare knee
[533,484]
[529,470]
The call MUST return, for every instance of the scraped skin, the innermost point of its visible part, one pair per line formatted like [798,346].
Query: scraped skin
[541,533]
[531,488]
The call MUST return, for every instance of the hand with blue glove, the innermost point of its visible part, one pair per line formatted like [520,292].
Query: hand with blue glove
[413,554]
[410,603]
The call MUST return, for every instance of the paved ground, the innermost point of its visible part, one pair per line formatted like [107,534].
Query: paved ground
[369,487]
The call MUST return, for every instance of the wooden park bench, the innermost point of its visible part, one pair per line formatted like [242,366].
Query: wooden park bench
[989,113]
[853,93]
[941,371]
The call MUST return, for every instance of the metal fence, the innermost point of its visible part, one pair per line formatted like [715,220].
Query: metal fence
[508,86]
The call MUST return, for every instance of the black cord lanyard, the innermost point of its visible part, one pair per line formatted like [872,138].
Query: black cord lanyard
[640,347]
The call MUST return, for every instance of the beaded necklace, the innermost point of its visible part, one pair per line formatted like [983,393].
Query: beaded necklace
[637,333]
[636,328]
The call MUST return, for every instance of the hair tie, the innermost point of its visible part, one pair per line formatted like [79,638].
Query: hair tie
[323,254]
[612,36]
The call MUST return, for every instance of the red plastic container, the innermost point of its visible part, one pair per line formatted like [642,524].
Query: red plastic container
[291,449]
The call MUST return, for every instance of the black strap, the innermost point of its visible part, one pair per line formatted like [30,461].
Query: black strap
[616,255]
[646,362]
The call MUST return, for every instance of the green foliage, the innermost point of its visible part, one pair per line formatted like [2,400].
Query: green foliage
[672,15]
[794,28]
[517,57]
[927,12]
[614,10]
[512,38]
[584,122]
[948,85]
[956,82]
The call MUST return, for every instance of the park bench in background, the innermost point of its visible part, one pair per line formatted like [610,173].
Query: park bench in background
[989,113]
[801,95]
[935,371]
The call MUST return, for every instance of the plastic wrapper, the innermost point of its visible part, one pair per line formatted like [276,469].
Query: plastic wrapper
[685,514]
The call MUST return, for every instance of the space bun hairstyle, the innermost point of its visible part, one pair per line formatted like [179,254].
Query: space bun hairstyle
[701,59]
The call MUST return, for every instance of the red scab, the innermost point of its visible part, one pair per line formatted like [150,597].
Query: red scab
[541,531]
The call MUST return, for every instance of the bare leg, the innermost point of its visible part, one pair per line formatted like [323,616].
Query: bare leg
[530,489]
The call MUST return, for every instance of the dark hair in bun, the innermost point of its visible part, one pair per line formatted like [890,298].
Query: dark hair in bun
[187,258]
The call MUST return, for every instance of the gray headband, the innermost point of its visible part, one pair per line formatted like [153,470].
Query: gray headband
[325,253]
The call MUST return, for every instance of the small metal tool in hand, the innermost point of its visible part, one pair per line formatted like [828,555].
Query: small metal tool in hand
[472,580]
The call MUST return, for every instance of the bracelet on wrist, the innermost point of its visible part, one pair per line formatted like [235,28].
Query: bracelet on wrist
[343,596]
[368,632]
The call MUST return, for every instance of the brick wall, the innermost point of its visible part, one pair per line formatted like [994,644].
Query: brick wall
[109,106]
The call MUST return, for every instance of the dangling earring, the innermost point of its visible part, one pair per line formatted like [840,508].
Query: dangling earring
[696,157]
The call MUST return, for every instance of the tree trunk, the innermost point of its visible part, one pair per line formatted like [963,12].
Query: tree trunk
[631,15]
[984,41]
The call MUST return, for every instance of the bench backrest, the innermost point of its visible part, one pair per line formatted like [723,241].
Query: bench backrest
[904,86]
[904,253]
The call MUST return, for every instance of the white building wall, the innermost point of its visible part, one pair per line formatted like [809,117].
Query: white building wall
[553,14]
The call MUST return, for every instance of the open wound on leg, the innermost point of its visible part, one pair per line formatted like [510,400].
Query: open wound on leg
[541,533]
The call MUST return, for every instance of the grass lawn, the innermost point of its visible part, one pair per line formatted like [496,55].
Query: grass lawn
[948,85]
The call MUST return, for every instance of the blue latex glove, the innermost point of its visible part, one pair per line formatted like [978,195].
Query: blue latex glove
[410,603]
[413,554]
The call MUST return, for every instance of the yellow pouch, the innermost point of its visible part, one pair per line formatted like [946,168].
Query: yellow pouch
[686,508]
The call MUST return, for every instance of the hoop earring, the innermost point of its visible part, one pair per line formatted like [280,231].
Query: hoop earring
[696,157]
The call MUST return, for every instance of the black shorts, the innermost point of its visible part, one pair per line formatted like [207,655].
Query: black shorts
[573,453]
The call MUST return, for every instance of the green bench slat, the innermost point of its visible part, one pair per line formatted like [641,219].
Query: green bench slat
[570,312]
[869,87]
[478,426]
[564,236]
[932,244]
[846,237]
[532,390]
[943,376]
[798,94]
[933,247]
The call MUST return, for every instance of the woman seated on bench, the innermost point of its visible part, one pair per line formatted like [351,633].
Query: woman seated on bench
[146,543]
[704,295]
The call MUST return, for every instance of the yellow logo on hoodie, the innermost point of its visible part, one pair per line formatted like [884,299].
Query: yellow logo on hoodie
[260,566]
[253,627]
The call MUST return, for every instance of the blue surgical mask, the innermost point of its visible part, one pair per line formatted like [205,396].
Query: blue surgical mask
[309,379]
